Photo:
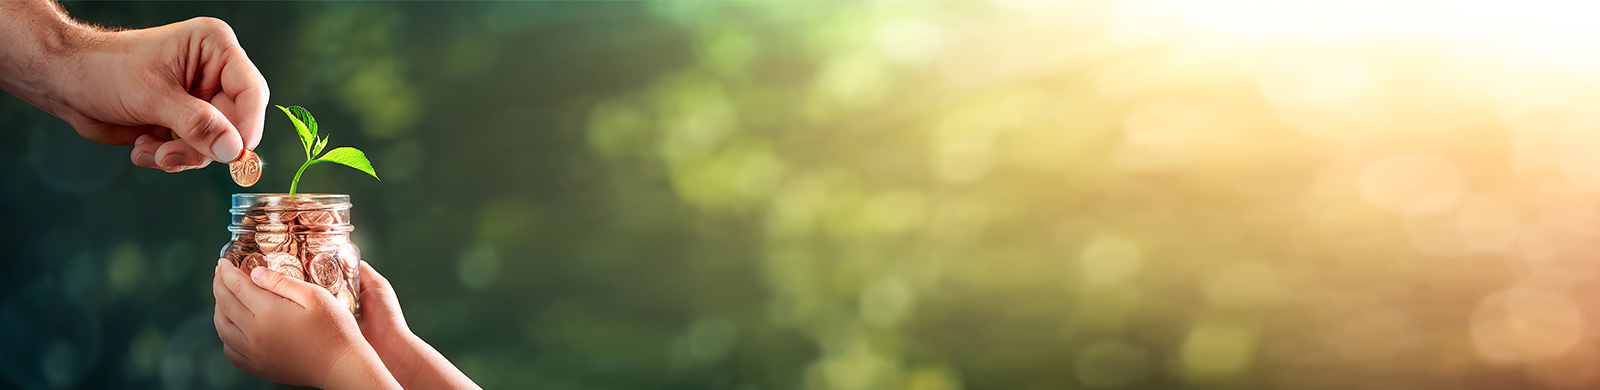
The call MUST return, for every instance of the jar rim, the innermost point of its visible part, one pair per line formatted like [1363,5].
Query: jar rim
[302,195]
[284,196]
[282,201]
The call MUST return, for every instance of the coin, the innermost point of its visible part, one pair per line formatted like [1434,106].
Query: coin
[350,259]
[287,264]
[325,270]
[349,298]
[270,242]
[349,252]
[233,256]
[292,247]
[316,217]
[245,247]
[251,261]
[272,228]
[247,170]
[321,243]
[277,259]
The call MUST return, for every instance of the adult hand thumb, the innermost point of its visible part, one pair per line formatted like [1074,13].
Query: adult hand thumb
[200,125]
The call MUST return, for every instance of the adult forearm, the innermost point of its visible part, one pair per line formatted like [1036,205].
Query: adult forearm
[37,40]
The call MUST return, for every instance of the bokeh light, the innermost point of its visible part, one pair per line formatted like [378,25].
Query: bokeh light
[1093,194]
[1519,325]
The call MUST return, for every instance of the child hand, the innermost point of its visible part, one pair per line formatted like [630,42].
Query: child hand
[292,332]
[413,362]
[381,321]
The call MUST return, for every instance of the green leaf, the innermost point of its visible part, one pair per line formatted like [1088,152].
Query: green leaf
[320,143]
[305,117]
[300,127]
[350,157]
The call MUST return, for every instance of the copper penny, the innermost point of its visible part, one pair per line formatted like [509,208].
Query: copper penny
[287,264]
[270,242]
[350,261]
[247,170]
[272,228]
[242,247]
[325,270]
[251,261]
[349,298]
[321,243]
[281,259]
[349,252]
[233,257]
[316,217]
[292,247]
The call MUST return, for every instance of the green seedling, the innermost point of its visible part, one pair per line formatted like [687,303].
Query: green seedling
[306,126]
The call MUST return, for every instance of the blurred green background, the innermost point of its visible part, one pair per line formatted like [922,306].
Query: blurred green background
[922,195]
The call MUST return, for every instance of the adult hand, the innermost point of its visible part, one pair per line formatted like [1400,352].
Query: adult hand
[183,94]
[292,332]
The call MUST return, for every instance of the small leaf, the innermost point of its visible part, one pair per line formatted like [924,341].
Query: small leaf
[320,143]
[305,117]
[350,157]
[300,127]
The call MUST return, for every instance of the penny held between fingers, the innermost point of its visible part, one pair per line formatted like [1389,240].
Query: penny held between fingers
[247,170]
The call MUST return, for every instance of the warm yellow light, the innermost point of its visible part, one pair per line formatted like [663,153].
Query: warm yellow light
[1560,29]
[1495,18]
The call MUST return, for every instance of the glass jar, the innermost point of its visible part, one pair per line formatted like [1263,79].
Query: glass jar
[306,237]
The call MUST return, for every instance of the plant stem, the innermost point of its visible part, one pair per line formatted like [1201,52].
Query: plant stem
[296,183]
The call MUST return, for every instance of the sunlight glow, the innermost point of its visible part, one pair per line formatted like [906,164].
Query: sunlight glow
[1542,30]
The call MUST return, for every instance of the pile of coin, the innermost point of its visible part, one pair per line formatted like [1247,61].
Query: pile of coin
[303,240]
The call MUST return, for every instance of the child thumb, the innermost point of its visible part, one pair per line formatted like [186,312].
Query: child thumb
[278,283]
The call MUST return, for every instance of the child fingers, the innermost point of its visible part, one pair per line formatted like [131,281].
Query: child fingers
[227,302]
[239,360]
[372,282]
[229,305]
[274,282]
[251,296]
[371,278]
[228,331]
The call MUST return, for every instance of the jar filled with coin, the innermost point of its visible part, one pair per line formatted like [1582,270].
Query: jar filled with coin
[306,237]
